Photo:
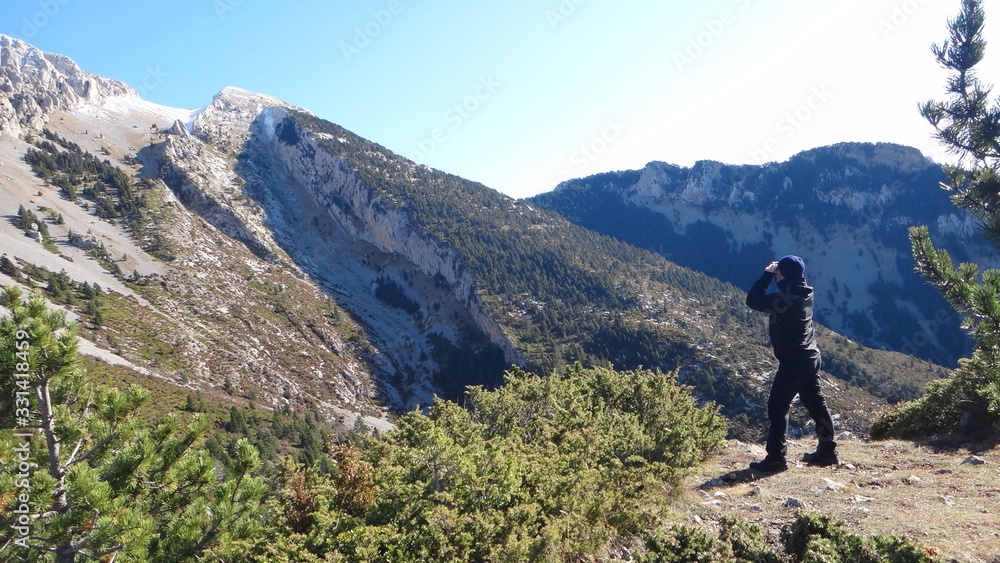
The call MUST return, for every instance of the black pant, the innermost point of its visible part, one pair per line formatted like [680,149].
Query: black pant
[796,378]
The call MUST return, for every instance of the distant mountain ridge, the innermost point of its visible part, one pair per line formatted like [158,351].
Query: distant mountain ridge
[306,265]
[845,208]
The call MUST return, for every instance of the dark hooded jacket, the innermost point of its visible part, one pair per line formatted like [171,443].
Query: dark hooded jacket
[790,325]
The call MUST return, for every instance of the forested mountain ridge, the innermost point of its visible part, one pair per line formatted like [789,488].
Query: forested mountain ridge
[844,208]
[563,293]
[298,263]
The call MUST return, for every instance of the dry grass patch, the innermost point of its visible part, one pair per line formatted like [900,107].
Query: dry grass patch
[922,491]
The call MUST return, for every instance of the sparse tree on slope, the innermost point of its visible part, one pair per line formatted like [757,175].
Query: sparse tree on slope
[968,124]
[85,477]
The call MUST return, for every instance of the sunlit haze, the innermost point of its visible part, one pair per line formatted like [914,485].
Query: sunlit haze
[520,95]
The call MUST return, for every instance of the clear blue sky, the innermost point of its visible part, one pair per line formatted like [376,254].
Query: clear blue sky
[521,94]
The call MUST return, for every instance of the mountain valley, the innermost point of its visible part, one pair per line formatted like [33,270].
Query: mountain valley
[280,259]
[844,208]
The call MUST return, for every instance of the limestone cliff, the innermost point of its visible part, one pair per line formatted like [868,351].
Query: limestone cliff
[332,185]
[247,169]
[844,208]
[35,84]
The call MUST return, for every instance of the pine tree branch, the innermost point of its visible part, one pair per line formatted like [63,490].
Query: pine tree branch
[56,470]
[100,445]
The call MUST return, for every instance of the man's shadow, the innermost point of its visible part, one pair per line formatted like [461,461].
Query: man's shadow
[734,478]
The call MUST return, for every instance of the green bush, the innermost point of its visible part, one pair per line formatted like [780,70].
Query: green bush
[738,541]
[541,469]
[820,538]
[607,415]
[970,397]
[684,544]
[746,541]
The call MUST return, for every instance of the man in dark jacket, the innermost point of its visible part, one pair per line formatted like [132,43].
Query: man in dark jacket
[791,329]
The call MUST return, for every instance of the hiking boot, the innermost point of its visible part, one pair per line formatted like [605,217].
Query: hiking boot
[770,464]
[822,457]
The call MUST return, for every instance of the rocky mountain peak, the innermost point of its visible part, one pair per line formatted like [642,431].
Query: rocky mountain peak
[845,207]
[35,83]
[824,172]
[229,117]
[868,154]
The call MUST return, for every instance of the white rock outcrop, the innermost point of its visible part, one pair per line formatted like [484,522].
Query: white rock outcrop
[358,211]
[34,84]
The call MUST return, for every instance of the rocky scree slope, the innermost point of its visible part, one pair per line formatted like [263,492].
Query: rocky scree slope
[214,315]
[238,171]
